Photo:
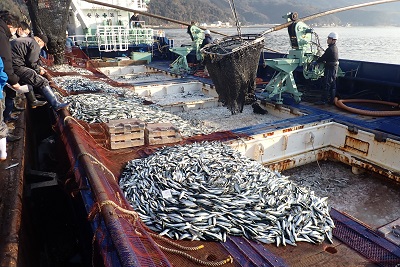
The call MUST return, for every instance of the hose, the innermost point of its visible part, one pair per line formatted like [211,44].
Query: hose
[340,104]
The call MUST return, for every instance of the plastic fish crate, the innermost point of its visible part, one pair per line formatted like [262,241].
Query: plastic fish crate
[161,133]
[125,133]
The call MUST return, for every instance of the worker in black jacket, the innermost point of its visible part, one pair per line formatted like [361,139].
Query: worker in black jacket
[331,62]
[8,26]
[13,25]
[25,54]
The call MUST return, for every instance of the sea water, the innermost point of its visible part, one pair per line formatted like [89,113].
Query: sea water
[374,44]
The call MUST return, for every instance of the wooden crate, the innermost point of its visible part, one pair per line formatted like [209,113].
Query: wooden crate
[125,133]
[161,133]
[101,64]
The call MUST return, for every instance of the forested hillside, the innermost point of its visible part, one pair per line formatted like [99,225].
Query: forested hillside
[271,11]
[256,11]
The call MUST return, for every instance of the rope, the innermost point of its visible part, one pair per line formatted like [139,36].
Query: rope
[316,157]
[198,261]
[97,209]
[233,8]
[174,244]
[98,206]
[98,162]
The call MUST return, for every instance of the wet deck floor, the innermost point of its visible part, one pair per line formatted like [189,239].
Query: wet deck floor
[372,199]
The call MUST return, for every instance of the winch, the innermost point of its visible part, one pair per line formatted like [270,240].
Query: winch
[305,51]
[180,65]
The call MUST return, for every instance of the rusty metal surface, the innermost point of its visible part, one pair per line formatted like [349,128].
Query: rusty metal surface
[11,190]
[365,241]
[334,155]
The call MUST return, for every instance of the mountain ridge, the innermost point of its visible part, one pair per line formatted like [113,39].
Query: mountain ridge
[271,11]
[252,12]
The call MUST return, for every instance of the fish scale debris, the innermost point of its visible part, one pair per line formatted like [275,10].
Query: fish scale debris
[206,191]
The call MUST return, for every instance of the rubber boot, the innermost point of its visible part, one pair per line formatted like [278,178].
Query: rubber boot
[52,99]
[3,149]
[9,105]
[33,102]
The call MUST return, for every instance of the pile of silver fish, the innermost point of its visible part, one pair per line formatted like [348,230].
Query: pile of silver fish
[79,84]
[206,191]
[69,68]
[105,107]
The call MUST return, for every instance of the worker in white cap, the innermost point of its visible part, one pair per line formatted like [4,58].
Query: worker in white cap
[207,38]
[330,58]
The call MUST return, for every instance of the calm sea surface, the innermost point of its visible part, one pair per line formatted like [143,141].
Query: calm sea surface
[375,44]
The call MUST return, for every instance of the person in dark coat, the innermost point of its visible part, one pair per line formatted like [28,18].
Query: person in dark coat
[207,38]
[25,54]
[13,24]
[134,20]
[8,27]
[331,62]
[9,24]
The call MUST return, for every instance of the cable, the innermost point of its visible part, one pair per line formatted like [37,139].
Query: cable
[316,158]
[233,8]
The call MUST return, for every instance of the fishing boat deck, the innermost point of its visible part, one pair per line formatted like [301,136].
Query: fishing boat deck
[359,196]
[338,254]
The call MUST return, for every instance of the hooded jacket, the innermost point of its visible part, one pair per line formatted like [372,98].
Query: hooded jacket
[5,53]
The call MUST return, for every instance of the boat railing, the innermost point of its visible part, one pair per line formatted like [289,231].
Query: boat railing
[114,38]
[371,73]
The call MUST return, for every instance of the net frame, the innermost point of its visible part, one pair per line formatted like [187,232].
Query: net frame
[232,64]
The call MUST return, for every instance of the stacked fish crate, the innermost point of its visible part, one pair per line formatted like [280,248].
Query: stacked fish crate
[133,132]
[161,133]
[125,133]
